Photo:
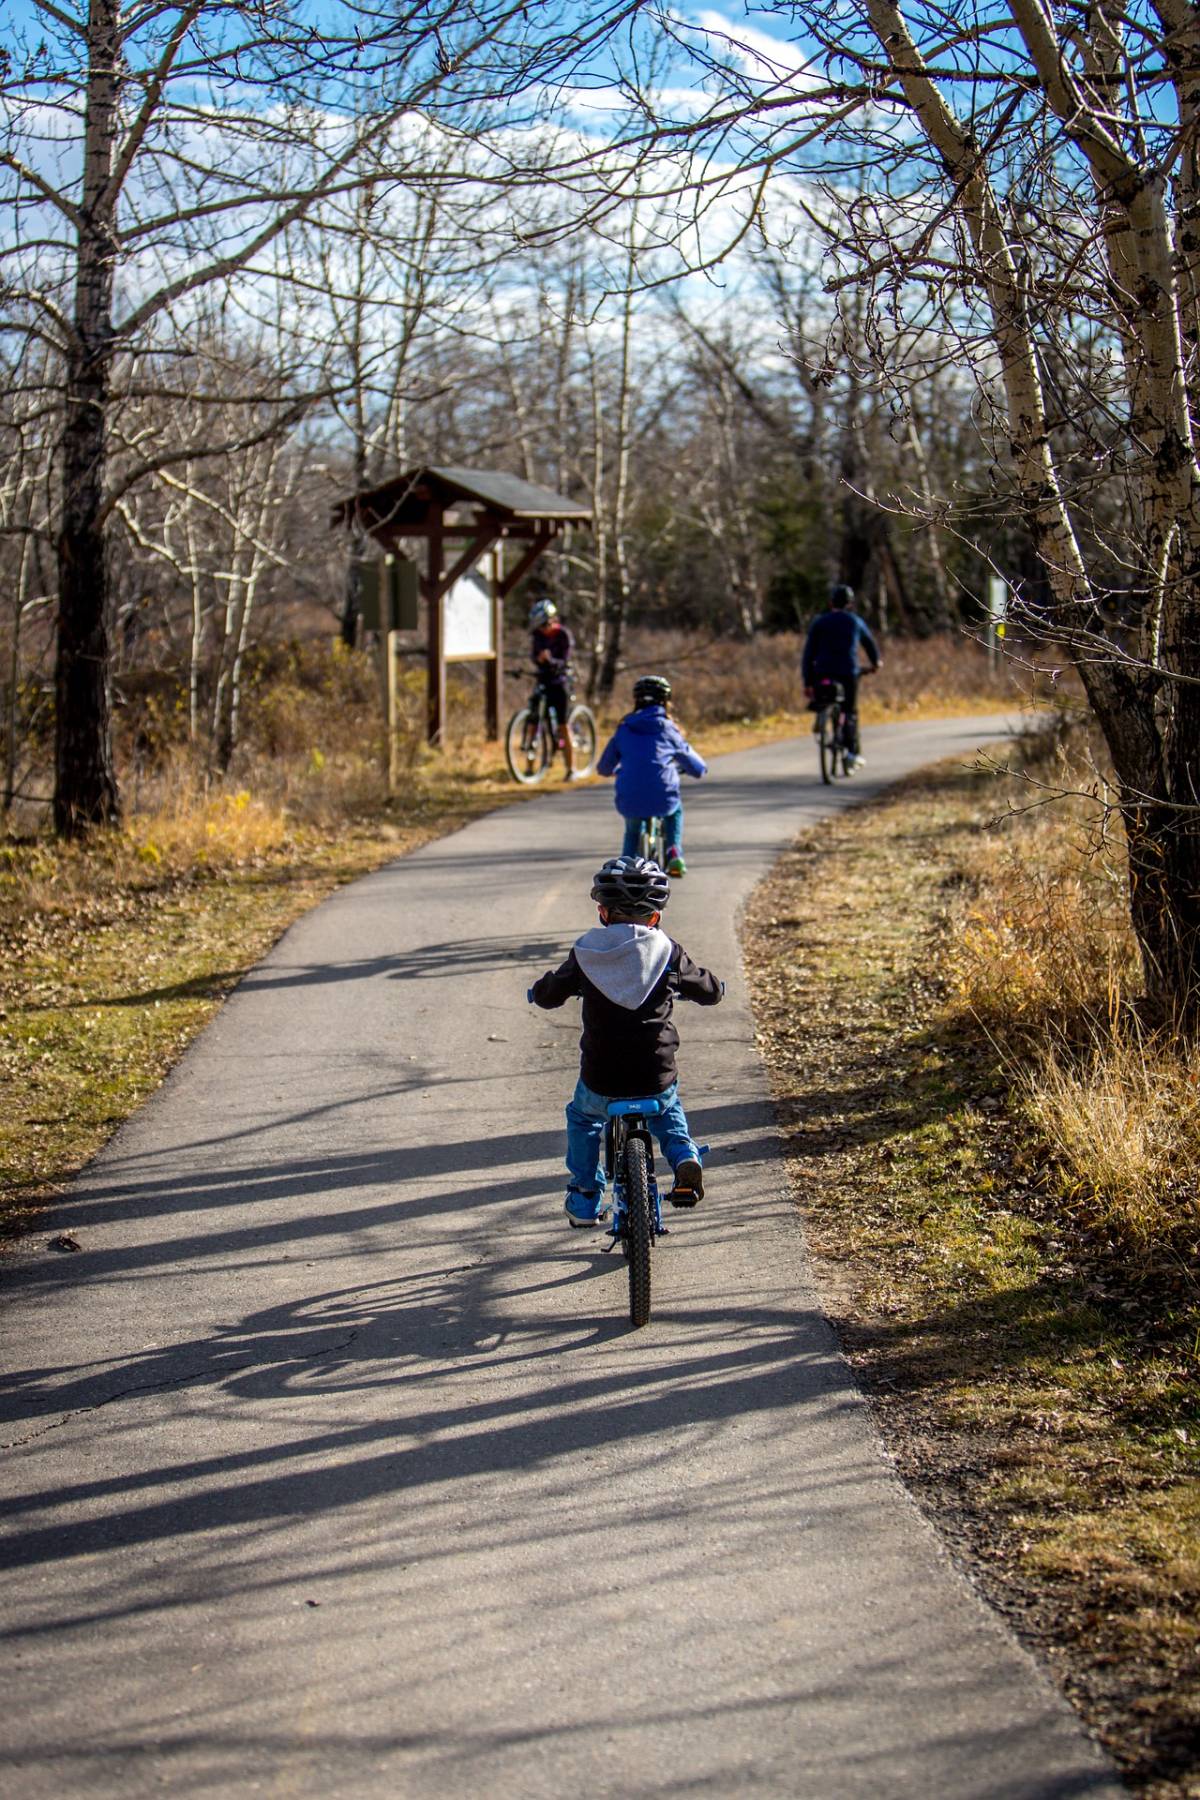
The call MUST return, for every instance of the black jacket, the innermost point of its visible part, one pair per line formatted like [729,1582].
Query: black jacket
[629,1043]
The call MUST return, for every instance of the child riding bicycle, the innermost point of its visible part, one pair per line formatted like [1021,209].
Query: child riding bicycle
[550,648]
[646,752]
[628,974]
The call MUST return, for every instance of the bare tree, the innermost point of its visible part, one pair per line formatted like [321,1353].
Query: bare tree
[151,152]
[26,557]
[1014,188]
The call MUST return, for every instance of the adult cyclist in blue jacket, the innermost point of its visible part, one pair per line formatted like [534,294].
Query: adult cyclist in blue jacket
[831,654]
[646,753]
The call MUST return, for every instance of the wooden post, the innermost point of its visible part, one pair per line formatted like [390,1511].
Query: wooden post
[495,670]
[436,683]
[388,640]
[391,642]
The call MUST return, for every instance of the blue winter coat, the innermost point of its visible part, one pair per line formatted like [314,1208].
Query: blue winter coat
[832,645]
[647,751]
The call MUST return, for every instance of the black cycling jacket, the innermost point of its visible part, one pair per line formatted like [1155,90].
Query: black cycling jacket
[558,641]
[628,1051]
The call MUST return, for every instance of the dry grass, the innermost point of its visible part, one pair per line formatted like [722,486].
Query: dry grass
[118,950]
[998,1173]
[1041,955]
[1045,932]
[1123,1122]
[730,682]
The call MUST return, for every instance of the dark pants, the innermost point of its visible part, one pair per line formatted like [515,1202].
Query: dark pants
[850,689]
[558,696]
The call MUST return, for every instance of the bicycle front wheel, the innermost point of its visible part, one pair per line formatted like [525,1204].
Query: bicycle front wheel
[827,743]
[526,746]
[639,1235]
[581,725]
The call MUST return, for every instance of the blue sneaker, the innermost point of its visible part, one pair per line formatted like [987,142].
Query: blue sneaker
[583,1210]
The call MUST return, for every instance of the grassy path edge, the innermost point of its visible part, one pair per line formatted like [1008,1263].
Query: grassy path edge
[1036,1407]
[115,960]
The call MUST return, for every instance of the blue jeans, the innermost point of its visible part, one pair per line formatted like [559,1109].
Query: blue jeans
[586,1114]
[672,832]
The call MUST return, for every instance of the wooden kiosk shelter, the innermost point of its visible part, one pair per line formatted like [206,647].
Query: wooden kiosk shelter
[465,516]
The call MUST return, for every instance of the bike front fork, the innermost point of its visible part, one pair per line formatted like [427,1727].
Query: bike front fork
[616,1223]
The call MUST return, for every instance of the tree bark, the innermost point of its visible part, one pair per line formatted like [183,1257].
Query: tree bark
[85,788]
[1147,703]
[1160,810]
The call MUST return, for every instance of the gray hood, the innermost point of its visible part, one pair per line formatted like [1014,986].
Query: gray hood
[624,961]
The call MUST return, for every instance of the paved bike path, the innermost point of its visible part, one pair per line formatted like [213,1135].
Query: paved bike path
[334,1470]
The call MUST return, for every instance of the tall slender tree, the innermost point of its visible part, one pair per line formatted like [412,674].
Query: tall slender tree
[149,152]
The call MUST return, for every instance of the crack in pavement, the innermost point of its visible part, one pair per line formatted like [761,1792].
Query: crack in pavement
[153,1387]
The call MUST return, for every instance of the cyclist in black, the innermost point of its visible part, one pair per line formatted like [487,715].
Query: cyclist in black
[628,975]
[831,654]
[550,647]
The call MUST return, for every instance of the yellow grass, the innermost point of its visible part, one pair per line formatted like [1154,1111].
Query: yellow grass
[1042,955]
[1124,1121]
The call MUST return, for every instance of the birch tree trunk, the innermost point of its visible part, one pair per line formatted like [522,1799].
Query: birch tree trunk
[1148,703]
[616,601]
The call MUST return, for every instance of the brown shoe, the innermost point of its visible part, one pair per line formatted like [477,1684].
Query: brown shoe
[689,1184]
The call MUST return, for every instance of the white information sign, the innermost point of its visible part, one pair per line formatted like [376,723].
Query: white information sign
[468,617]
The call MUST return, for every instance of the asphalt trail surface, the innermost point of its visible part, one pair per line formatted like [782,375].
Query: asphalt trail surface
[333,1469]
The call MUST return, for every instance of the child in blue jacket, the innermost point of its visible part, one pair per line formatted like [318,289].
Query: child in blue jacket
[646,753]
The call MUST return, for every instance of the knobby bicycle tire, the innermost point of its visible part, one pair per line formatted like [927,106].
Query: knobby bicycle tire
[527,747]
[637,1226]
[827,742]
[581,726]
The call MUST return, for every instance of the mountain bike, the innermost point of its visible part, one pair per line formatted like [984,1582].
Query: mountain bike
[830,729]
[834,743]
[535,735]
[636,1217]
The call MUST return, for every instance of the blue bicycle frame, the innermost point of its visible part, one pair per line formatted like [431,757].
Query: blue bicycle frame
[626,1119]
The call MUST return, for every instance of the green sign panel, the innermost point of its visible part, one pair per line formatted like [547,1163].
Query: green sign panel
[387,594]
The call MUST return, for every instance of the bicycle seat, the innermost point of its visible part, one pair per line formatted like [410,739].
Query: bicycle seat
[652,1104]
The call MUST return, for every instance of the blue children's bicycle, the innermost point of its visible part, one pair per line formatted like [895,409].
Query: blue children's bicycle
[636,1218]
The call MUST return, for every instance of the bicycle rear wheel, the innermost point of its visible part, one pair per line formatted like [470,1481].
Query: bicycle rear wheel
[526,747]
[638,1230]
[581,725]
[827,742]
[650,842]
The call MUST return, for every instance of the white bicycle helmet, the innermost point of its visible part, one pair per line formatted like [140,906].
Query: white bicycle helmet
[541,613]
